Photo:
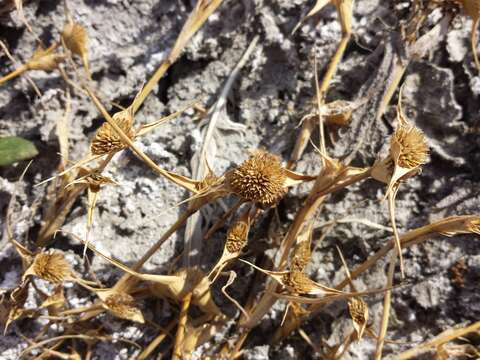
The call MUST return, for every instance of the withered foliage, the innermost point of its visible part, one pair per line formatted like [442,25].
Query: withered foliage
[258,185]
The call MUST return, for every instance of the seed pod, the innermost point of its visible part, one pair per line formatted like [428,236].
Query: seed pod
[302,253]
[359,313]
[408,152]
[107,140]
[259,179]
[45,60]
[75,38]
[299,282]
[301,256]
[50,266]
[237,237]
[409,147]
[121,305]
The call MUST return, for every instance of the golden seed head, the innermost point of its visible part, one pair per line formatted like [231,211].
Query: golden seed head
[259,179]
[358,308]
[52,267]
[123,306]
[359,313]
[75,38]
[301,256]
[237,237]
[107,140]
[298,281]
[413,146]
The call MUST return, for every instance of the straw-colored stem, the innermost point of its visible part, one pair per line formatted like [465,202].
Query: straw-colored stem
[152,82]
[13,74]
[443,338]
[474,40]
[182,322]
[314,200]
[408,239]
[127,281]
[387,301]
[156,342]
[397,74]
[180,181]
[333,65]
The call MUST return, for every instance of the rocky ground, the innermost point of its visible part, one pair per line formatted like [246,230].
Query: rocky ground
[128,40]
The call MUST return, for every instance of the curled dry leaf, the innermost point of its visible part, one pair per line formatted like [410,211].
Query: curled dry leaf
[359,313]
[261,179]
[56,300]
[50,266]
[12,302]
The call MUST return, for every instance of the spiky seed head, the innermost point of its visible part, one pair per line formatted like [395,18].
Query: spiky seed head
[259,179]
[413,146]
[107,140]
[75,38]
[123,306]
[52,267]
[237,237]
[359,313]
[298,281]
[301,256]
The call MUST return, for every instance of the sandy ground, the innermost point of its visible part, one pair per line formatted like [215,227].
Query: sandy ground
[129,39]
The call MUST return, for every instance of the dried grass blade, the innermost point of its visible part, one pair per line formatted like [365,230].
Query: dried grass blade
[199,15]
[199,163]
[387,300]
[182,181]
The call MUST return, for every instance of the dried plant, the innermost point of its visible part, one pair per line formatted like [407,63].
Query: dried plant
[75,39]
[257,185]
[50,266]
[408,153]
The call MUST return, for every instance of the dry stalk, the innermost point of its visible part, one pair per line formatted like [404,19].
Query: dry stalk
[439,340]
[451,226]
[203,9]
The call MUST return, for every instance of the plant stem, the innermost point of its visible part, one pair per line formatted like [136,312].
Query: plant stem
[180,337]
[13,74]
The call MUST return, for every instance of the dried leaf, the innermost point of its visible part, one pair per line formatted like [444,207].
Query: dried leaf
[319,5]
[121,305]
[56,300]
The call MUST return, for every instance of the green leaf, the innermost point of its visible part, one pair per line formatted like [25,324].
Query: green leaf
[13,149]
